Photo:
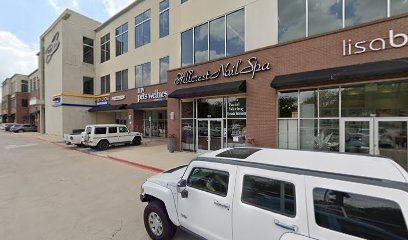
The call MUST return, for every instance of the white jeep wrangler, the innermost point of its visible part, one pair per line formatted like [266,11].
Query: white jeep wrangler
[250,193]
[102,136]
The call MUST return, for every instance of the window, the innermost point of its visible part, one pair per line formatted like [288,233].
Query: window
[292,19]
[209,180]
[88,45]
[358,215]
[272,195]
[121,117]
[143,75]
[24,103]
[99,131]
[105,84]
[398,7]
[164,67]
[361,11]
[221,37]
[164,18]
[142,29]
[105,48]
[24,86]
[122,80]
[113,130]
[123,130]
[325,16]
[183,1]
[88,86]
[121,39]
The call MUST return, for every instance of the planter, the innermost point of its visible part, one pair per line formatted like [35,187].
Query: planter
[171,144]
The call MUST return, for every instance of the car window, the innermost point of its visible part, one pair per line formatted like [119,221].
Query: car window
[27,125]
[209,180]
[358,215]
[123,129]
[113,130]
[269,194]
[88,130]
[100,130]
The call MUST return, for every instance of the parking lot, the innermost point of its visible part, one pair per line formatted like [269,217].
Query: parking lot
[49,191]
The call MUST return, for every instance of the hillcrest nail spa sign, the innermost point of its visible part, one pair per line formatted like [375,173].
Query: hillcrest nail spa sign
[250,67]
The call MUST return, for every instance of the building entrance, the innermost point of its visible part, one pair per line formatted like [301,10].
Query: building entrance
[210,135]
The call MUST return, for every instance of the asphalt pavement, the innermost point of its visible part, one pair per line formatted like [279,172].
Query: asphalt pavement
[49,193]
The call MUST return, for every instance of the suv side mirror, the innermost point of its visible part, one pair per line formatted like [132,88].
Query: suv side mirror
[181,188]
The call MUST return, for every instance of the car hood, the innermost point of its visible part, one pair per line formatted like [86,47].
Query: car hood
[168,178]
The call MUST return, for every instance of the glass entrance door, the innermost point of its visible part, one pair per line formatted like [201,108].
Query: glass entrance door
[391,140]
[209,135]
[356,135]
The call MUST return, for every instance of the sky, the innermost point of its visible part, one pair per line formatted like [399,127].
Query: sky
[23,21]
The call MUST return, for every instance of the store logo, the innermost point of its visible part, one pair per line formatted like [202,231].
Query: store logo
[398,40]
[156,95]
[102,101]
[52,48]
[118,98]
[226,70]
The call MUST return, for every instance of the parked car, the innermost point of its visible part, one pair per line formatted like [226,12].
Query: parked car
[250,193]
[8,127]
[75,138]
[5,126]
[23,128]
[102,136]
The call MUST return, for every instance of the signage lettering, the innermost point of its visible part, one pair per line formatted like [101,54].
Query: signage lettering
[102,101]
[236,107]
[118,98]
[52,48]
[157,94]
[394,40]
[226,70]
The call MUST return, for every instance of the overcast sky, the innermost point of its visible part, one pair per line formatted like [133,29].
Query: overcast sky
[23,21]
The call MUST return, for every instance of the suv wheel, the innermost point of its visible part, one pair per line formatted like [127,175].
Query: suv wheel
[103,145]
[137,141]
[157,223]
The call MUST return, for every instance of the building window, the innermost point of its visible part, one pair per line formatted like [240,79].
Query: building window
[121,39]
[398,7]
[142,29]
[361,11]
[143,75]
[105,84]
[164,67]
[24,86]
[88,86]
[325,16]
[183,1]
[292,19]
[24,103]
[164,18]
[88,50]
[122,80]
[120,118]
[105,48]
[221,37]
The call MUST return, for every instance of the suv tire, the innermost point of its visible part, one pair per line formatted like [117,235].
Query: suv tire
[157,223]
[137,141]
[103,145]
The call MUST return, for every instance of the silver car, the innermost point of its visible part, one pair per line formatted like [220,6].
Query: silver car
[23,128]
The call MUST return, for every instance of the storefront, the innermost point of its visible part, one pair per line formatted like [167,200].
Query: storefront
[345,91]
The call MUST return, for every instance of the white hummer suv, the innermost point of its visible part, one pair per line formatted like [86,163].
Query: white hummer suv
[102,136]
[250,193]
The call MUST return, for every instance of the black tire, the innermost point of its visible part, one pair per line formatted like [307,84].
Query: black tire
[157,208]
[103,145]
[137,141]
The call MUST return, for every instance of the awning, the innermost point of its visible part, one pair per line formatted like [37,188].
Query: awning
[142,105]
[214,89]
[355,72]
[108,108]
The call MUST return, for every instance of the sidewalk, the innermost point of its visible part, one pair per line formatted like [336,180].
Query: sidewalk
[152,153]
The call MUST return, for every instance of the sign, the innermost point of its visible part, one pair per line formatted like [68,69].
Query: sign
[118,98]
[52,48]
[236,108]
[398,40]
[252,66]
[102,101]
[156,95]
[57,100]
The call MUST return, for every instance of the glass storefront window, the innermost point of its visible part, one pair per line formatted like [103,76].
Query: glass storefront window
[357,101]
[329,102]
[308,134]
[236,107]
[308,104]
[187,135]
[292,19]
[187,109]
[288,104]
[288,134]
[361,11]
[325,16]
[217,38]
[236,133]
[398,7]
[210,107]
[155,123]
[328,139]
[201,43]
[235,32]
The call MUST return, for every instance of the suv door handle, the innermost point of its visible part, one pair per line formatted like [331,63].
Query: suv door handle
[293,228]
[223,205]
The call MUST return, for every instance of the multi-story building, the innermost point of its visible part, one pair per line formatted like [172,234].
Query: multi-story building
[14,99]
[34,100]
[302,74]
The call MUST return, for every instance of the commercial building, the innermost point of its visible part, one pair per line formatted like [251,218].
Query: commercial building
[303,74]
[15,99]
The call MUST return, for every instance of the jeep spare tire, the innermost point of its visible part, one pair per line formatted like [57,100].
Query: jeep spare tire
[157,223]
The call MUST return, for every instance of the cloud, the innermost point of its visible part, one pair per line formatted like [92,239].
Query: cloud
[60,5]
[16,56]
[114,6]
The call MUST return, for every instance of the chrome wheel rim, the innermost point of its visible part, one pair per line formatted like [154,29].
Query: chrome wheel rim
[155,224]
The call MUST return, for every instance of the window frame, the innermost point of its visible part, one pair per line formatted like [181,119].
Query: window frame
[90,52]
[143,66]
[121,36]
[105,48]
[204,190]
[85,80]
[160,68]
[121,73]
[142,25]
[105,84]
[168,19]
